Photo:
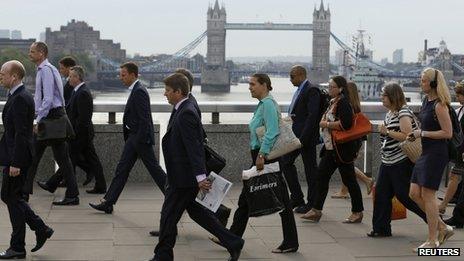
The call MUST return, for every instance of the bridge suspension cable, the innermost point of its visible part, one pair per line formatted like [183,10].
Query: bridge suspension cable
[184,52]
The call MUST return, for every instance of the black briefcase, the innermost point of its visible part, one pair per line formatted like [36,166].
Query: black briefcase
[55,126]
[214,161]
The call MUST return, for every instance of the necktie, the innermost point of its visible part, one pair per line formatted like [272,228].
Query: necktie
[171,117]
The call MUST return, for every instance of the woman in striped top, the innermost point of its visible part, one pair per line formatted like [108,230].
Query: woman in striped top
[396,169]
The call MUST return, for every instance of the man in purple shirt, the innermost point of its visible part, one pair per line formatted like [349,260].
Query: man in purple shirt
[49,102]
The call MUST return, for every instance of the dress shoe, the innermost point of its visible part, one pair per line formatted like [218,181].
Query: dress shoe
[444,234]
[378,234]
[62,184]
[235,253]
[96,191]
[87,180]
[44,186]
[67,202]
[301,209]
[105,207]
[41,238]
[312,216]
[354,218]
[11,254]
[154,233]
[282,249]
[453,222]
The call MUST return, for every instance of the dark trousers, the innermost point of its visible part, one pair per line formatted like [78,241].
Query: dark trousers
[61,155]
[85,157]
[458,211]
[19,210]
[129,156]
[176,201]
[288,220]
[327,166]
[393,180]
[309,155]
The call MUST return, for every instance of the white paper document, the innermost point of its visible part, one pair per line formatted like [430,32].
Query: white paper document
[219,188]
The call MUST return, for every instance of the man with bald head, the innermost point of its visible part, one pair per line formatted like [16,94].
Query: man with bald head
[16,151]
[305,110]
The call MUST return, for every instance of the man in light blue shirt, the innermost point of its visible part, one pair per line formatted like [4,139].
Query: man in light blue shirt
[49,102]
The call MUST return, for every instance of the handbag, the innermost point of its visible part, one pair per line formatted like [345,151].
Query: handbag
[286,142]
[360,127]
[412,149]
[213,161]
[398,209]
[55,126]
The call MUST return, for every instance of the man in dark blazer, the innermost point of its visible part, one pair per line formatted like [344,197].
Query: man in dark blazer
[185,164]
[305,112]
[66,63]
[139,137]
[16,150]
[82,149]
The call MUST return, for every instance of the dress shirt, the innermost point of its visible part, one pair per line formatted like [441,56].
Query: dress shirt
[133,84]
[266,114]
[295,97]
[48,90]
[78,86]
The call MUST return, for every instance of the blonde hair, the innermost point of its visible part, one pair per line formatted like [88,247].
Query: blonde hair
[442,88]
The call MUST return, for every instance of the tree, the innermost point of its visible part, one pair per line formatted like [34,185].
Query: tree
[8,54]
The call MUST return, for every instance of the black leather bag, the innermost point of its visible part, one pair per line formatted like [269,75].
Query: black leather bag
[55,126]
[214,161]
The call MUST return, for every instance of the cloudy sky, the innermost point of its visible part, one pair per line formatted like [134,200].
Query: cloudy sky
[155,26]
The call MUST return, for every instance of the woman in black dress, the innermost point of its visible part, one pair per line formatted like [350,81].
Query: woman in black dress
[436,128]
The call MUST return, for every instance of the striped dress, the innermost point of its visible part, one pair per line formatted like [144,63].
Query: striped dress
[391,152]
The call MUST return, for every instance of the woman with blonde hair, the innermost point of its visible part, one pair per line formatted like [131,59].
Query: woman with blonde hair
[353,96]
[427,173]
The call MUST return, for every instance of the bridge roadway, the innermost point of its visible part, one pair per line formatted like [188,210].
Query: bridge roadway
[82,234]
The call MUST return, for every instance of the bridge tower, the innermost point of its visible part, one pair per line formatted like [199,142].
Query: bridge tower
[320,69]
[215,77]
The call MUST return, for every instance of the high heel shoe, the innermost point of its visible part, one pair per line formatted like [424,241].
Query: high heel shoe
[444,234]
[312,216]
[354,218]
[426,244]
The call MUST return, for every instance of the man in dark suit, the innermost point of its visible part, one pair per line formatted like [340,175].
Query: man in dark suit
[16,150]
[305,112]
[66,63]
[138,135]
[82,150]
[184,156]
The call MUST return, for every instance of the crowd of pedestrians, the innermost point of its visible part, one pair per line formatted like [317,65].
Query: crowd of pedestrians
[60,116]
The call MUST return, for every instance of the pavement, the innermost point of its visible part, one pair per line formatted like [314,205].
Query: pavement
[81,233]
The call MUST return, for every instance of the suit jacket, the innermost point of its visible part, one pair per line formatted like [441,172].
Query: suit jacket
[16,144]
[137,118]
[197,108]
[67,91]
[183,148]
[306,115]
[80,110]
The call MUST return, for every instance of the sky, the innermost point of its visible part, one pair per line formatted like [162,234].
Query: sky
[155,26]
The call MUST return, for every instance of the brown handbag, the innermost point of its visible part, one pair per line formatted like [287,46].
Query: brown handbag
[361,127]
[412,149]
[398,209]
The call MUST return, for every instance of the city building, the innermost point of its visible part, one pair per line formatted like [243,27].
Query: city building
[42,37]
[384,61]
[20,44]
[4,34]
[77,37]
[16,35]
[397,56]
